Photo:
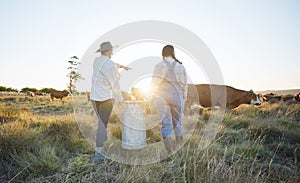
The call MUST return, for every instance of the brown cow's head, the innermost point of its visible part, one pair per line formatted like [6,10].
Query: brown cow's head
[261,97]
[253,98]
[66,93]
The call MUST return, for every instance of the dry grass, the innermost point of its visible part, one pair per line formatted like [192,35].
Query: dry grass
[40,141]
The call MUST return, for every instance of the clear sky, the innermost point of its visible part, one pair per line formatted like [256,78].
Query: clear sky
[256,43]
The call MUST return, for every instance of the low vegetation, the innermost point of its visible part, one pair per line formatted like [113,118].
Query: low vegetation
[40,142]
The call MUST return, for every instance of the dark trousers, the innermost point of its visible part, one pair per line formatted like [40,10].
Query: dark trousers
[103,110]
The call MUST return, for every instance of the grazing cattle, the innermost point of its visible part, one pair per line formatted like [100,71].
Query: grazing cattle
[39,94]
[30,94]
[272,96]
[138,93]
[219,95]
[58,94]
[287,97]
[297,97]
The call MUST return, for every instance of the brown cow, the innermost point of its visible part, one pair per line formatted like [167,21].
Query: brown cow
[223,96]
[58,94]
[272,96]
[287,97]
[30,94]
[39,94]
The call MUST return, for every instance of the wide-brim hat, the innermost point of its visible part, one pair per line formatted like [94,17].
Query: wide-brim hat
[106,46]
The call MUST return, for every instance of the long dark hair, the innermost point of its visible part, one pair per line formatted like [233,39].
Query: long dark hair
[167,51]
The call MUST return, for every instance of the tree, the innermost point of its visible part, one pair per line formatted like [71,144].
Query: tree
[29,89]
[73,74]
[46,90]
[11,89]
[2,88]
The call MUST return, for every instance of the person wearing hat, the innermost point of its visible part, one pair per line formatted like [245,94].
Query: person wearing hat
[107,46]
[169,84]
[104,91]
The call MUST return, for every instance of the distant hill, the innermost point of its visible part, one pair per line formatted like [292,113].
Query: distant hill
[280,92]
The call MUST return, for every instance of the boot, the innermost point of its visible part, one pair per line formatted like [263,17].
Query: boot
[179,141]
[99,156]
[168,144]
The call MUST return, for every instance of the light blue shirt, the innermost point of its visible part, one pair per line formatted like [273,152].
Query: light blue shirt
[161,70]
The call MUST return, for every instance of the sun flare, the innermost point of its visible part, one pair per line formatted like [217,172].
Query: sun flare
[144,85]
[146,89]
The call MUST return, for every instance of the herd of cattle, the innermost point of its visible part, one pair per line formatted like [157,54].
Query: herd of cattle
[204,95]
[224,96]
[274,97]
[53,94]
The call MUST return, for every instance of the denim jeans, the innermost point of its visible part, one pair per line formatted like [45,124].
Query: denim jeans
[169,103]
[103,110]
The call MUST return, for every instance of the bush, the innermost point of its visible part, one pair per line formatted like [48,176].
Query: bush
[2,88]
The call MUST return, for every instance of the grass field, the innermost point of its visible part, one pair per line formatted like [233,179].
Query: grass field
[40,141]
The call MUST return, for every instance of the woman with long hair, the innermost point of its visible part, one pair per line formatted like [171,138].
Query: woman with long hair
[169,84]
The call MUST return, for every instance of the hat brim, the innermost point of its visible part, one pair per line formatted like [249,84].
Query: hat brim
[99,50]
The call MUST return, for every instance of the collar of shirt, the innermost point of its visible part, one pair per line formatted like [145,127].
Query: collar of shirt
[105,57]
[170,59]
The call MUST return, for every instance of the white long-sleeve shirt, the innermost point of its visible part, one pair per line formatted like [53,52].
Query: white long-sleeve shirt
[105,80]
[161,70]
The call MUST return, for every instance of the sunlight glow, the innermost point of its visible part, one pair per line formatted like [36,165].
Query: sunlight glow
[144,85]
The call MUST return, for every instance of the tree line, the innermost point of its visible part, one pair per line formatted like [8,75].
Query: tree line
[26,89]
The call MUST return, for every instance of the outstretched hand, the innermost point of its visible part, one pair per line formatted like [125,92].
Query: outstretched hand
[126,68]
